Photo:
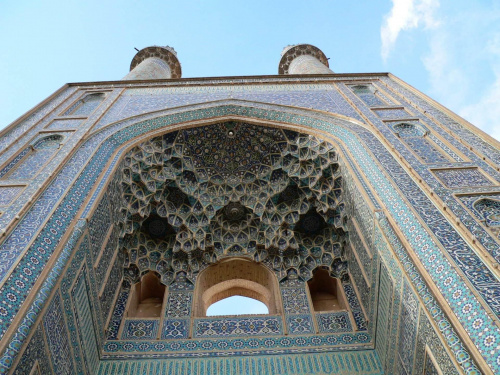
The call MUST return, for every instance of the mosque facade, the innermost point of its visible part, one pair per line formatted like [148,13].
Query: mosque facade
[362,213]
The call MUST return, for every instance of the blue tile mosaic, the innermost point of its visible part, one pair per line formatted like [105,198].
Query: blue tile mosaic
[485,208]
[26,128]
[239,326]
[57,338]
[175,329]
[85,323]
[430,367]
[99,225]
[85,106]
[425,150]
[110,289]
[143,329]
[65,124]
[300,324]
[295,300]
[8,194]
[35,352]
[253,345]
[178,304]
[118,313]
[14,161]
[391,113]
[334,322]
[357,312]
[462,177]
[345,363]
[367,94]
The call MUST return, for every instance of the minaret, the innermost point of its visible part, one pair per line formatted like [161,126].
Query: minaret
[155,63]
[303,59]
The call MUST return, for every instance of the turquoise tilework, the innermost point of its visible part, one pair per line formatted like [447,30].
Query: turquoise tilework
[381,188]
[85,323]
[346,363]
[140,329]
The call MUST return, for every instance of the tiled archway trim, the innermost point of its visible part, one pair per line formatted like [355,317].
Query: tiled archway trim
[112,138]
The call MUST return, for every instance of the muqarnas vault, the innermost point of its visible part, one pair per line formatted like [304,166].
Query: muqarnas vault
[363,214]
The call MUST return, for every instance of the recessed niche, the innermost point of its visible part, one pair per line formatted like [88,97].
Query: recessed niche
[157,227]
[326,292]
[147,297]
[311,223]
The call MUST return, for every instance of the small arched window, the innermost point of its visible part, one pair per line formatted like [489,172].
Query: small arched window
[146,299]
[490,211]
[326,292]
[85,106]
[367,94]
[36,157]
[417,139]
[409,130]
[236,277]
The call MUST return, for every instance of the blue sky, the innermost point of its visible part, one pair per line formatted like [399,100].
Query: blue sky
[449,49]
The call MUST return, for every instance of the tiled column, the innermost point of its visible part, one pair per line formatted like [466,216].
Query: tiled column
[155,63]
[298,317]
[303,59]
[176,323]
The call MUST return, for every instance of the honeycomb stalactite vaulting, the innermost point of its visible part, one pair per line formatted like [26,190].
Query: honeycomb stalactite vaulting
[190,198]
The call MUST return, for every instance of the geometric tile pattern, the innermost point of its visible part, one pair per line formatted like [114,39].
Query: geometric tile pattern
[63,124]
[391,113]
[31,164]
[277,184]
[344,363]
[25,129]
[77,274]
[295,300]
[355,307]
[408,329]
[35,351]
[8,193]
[409,196]
[430,367]
[14,161]
[383,323]
[462,177]
[99,225]
[175,329]
[85,324]
[426,150]
[140,329]
[118,313]
[490,212]
[334,322]
[222,327]
[85,106]
[57,338]
[299,324]
[142,100]
[258,345]
[367,95]
[178,304]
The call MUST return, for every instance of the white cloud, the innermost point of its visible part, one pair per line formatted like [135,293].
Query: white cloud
[447,79]
[485,112]
[462,59]
[405,15]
